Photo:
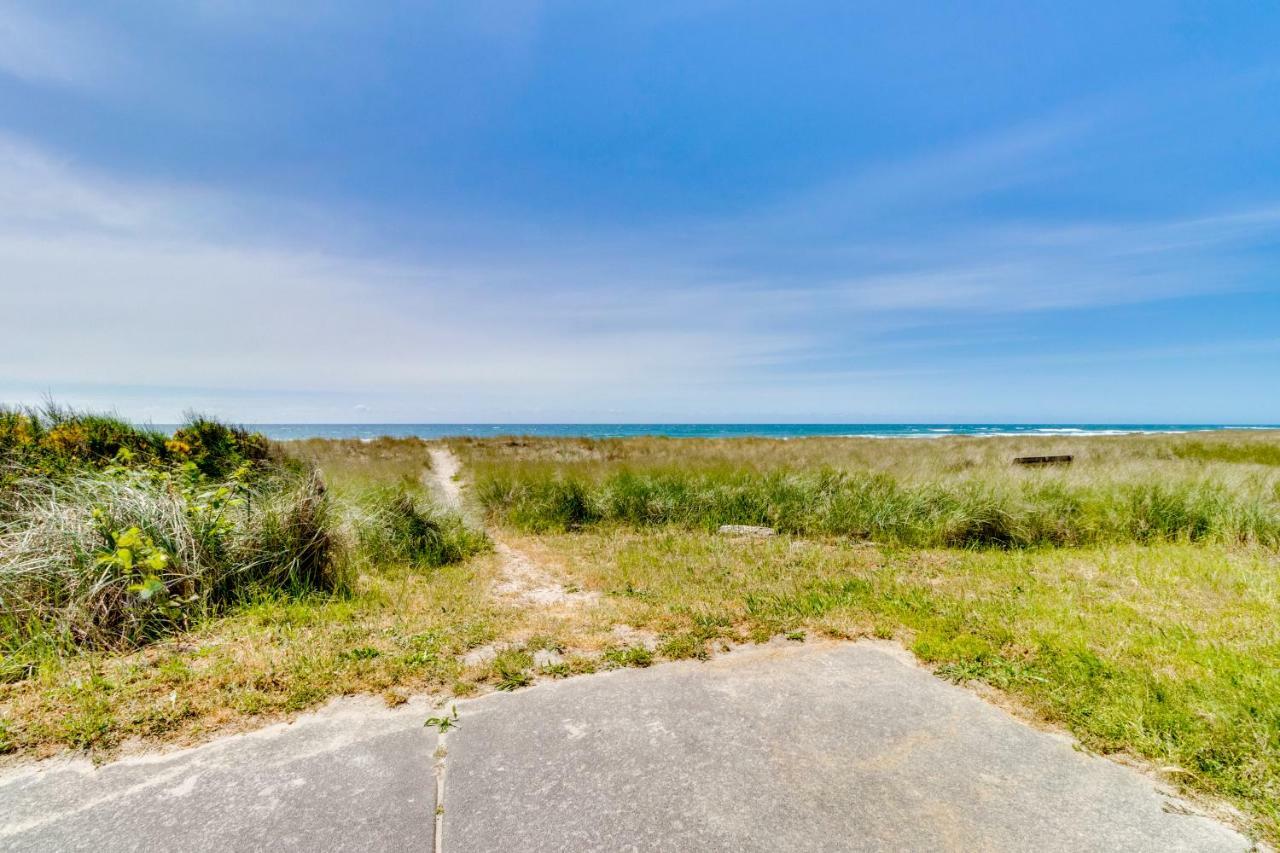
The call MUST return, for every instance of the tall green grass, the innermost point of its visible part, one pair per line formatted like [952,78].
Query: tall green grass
[387,509]
[971,508]
[394,525]
[113,536]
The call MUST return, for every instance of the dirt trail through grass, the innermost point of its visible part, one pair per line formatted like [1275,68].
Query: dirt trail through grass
[523,579]
[444,473]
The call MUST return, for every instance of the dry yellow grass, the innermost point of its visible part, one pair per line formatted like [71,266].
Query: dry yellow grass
[902,457]
[349,464]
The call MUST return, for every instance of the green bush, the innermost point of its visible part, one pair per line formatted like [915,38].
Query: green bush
[55,441]
[215,448]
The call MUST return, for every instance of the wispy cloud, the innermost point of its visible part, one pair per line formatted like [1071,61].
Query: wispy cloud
[933,179]
[38,49]
[104,265]
[37,189]
[120,282]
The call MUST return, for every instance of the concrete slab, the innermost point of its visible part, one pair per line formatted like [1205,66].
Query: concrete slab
[849,747]
[355,776]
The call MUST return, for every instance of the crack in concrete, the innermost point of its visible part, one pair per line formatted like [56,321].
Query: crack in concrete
[442,752]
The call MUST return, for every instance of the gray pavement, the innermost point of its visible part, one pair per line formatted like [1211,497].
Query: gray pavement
[353,777]
[849,747]
[794,747]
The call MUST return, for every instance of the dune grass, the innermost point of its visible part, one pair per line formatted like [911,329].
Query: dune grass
[114,536]
[926,494]
[903,458]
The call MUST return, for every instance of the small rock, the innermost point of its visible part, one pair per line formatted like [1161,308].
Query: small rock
[747,530]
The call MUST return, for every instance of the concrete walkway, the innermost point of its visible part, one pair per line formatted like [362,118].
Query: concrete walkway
[800,747]
[352,777]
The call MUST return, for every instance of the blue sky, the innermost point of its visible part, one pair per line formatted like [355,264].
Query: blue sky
[600,211]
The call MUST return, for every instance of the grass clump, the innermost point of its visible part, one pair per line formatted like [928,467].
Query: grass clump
[637,656]
[512,669]
[395,526]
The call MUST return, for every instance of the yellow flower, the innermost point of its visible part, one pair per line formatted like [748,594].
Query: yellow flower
[15,429]
[69,439]
[177,447]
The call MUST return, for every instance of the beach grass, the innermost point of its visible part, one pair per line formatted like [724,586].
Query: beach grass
[113,536]
[948,492]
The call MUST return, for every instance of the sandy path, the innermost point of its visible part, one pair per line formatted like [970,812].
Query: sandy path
[444,473]
[523,579]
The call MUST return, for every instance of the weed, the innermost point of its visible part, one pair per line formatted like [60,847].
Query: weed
[511,669]
[445,722]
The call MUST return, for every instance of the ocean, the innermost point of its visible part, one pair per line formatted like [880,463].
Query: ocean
[369,431]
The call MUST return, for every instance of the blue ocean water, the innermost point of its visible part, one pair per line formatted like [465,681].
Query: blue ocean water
[369,431]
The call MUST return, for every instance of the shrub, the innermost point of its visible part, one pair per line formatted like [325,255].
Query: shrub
[56,441]
[215,448]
